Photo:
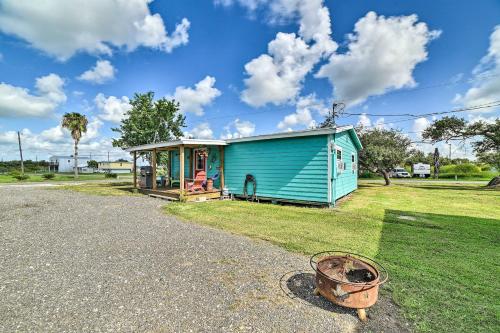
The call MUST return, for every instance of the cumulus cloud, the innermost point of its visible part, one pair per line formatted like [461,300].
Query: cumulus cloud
[112,108]
[303,115]
[195,99]
[382,54]
[238,129]
[419,125]
[102,72]
[277,76]
[62,28]
[486,82]
[364,121]
[19,102]
[57,141]
[201,131]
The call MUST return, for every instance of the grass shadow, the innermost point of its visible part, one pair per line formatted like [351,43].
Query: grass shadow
[443,261]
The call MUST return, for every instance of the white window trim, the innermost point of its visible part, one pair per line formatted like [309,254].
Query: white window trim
[354,163]
[341,167]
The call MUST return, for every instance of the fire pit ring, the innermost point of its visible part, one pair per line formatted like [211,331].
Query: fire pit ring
[348,279]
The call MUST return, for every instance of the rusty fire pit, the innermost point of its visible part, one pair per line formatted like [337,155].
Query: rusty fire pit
[348,279]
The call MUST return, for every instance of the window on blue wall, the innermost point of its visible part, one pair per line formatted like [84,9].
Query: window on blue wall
[340,163]
[353,163]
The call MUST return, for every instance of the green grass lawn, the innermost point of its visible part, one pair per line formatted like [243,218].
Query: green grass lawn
[6,178]
[105,189]
[440,243]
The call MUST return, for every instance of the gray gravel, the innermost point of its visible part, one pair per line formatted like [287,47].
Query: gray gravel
[75,262]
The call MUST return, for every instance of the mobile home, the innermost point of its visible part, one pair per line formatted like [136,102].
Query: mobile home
[314,166]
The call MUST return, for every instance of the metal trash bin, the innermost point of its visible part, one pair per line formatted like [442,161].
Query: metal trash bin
[146,177]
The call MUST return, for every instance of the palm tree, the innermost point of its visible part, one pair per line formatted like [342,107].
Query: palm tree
[77,124]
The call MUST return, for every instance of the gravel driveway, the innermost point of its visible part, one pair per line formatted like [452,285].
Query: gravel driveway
[75,262]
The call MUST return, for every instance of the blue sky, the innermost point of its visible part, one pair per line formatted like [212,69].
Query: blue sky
[241,67]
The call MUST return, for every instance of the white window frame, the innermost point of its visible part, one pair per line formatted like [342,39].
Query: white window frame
[339,163]
[354,164]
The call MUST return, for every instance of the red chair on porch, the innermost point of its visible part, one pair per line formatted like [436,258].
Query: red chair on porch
[197,183]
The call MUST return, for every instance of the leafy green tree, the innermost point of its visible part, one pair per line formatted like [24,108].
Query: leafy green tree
[150,121]
[92,164]
[383,150]
[76,123]
[486,136]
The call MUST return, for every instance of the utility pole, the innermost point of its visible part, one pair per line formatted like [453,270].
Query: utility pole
[449,144]
[20,152]
[108,158]
[337,109]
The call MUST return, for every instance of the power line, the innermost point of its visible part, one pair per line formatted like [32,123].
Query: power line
[424,115]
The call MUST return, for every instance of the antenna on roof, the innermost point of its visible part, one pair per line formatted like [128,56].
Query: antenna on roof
[337,110]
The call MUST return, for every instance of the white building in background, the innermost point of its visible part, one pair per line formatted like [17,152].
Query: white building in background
[67,163]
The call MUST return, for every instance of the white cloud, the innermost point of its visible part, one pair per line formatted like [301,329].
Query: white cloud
[382,54]
[238,129]
[102,72]
[473,118]
[380,124]
[201,131]
[19,102]
[419,125]
[277,77]
[112,108]
[303,115]
[364,121]
[194,100]
[251,5]
[62,28]
[486,83]
[58,141]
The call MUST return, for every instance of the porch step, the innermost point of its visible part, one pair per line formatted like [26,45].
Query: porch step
[164,197]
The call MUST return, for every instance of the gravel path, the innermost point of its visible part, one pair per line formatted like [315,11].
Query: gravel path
[74,262]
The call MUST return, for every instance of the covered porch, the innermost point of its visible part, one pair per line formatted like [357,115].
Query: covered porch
[194,170]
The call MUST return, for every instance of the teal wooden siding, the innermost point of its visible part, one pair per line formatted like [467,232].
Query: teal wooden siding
[288,168]
[213,163]
[347,181]
[175,163]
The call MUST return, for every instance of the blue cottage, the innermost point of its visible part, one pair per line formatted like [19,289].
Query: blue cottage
[316,166]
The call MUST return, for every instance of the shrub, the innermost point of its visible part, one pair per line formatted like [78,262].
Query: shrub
[48,176]
[485,167]
[22,177]
[110,175]
[14,173]
[467,168]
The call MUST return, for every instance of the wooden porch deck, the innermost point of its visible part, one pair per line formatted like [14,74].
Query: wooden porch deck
[175,194]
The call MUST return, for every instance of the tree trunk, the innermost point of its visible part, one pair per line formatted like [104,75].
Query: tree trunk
[386,177]
[76,159]
[494,182]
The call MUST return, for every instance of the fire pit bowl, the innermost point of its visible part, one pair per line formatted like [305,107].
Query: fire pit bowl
[348,279]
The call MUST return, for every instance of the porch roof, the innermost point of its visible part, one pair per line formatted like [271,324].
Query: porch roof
[177,143]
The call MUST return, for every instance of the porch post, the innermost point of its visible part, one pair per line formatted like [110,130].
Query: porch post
[153,162]
[221,167]
[181,166]
[135,169]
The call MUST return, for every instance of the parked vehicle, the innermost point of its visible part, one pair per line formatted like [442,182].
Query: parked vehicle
[421,170]
[399,173]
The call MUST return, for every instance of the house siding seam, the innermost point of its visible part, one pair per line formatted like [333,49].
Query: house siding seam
[288,168]
[347,181]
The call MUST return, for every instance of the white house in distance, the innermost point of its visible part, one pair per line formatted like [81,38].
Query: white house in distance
[115,167]
[66,164]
